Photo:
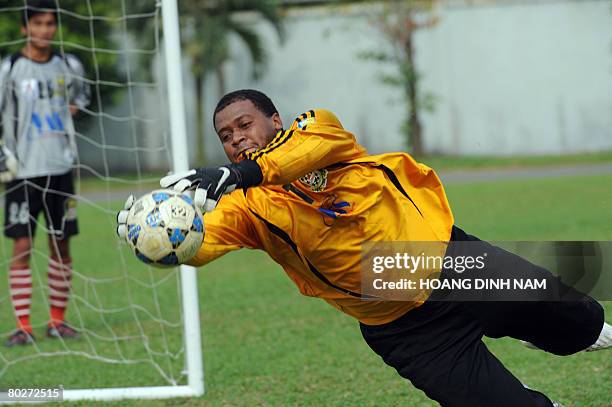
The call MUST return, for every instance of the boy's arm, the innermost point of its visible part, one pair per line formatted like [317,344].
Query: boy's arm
[79,90]
[5,67]
[8,161]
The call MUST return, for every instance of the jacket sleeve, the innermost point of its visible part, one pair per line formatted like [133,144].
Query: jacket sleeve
[315,140]
[80,92]
[4,90]
[228,227]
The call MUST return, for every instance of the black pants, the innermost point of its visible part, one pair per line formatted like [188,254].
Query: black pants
[439,348]
[53,195]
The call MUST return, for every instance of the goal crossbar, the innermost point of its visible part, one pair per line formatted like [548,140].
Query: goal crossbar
[120,393]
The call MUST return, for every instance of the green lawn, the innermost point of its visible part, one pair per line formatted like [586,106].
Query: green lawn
[264,344]
[149,180]
[144,181]
[441,162]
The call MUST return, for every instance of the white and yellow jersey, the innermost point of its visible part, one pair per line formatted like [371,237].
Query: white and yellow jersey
[321,198]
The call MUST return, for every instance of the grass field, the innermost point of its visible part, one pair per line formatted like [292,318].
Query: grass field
[265,345]
[149,180]
[440,162]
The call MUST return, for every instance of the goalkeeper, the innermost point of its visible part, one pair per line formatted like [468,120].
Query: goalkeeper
[40,91]
[310,196]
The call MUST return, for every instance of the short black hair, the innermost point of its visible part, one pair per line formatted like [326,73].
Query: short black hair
[35,7]
[259,100]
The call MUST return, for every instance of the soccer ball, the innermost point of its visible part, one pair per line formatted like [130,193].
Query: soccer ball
[164,228]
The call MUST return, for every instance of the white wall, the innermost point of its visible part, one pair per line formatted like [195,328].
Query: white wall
[511,77]
[521,79]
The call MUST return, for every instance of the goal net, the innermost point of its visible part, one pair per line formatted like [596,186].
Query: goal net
[138,327]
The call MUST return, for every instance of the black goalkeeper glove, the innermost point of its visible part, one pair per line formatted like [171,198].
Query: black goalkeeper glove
[212,182]
[8,164]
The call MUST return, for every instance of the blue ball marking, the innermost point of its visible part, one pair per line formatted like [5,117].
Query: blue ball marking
[154,218]
[169,260]
[143,258]
[133,232]
[197,224]
[187,199]
[160,196]
[176,236]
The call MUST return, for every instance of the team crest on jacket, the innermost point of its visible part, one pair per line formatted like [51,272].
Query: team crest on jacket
[315,180]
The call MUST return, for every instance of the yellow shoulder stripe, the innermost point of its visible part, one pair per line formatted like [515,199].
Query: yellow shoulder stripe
[280,139]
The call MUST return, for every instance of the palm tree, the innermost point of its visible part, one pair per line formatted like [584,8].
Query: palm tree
[206,29]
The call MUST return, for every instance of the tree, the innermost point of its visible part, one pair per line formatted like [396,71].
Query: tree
[398,21]
[207,26]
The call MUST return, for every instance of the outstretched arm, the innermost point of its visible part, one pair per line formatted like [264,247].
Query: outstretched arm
[227,228]
[315,140]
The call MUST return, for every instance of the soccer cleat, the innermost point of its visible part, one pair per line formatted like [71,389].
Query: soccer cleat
[529,345]
[62,330]
[604,341]
[19,338]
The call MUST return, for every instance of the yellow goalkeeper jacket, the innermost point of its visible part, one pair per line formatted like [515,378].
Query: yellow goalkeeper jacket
[321,198]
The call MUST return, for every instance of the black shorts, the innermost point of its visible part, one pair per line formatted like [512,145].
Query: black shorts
[53,195]
[438,346]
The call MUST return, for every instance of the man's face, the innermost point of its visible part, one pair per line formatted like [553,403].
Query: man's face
[40,30]
[242,128]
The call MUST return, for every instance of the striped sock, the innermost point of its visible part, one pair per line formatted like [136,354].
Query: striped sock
[59,277]
[20,280]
